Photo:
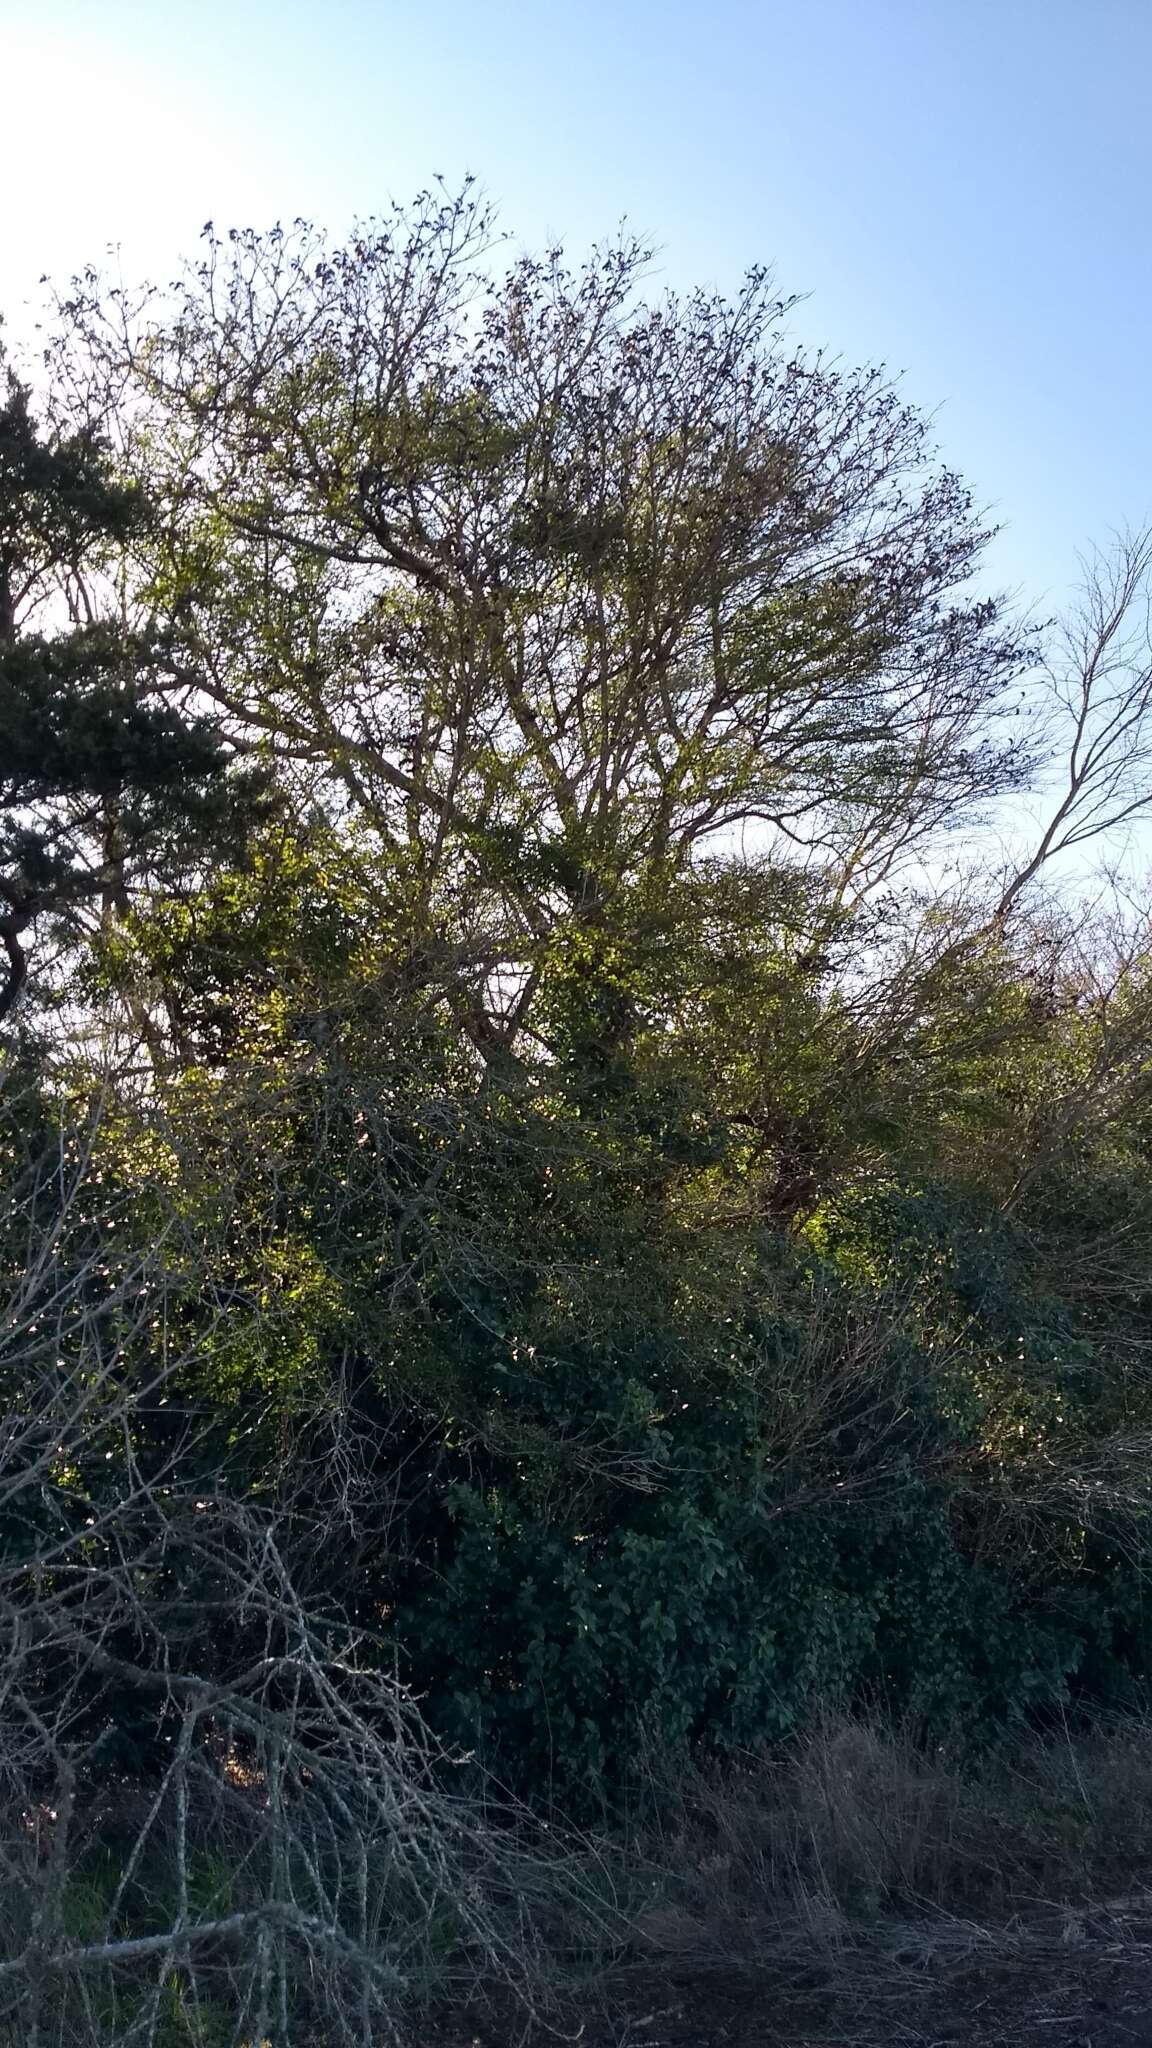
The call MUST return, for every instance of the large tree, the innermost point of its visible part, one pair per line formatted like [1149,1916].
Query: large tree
[556,594]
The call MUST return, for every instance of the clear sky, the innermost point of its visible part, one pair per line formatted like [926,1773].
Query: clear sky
[961,186]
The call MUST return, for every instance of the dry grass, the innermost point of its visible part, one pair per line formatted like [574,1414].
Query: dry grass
[856,1847]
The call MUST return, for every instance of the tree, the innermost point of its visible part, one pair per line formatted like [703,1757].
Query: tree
[1097,689]
[550,592]
[105,783]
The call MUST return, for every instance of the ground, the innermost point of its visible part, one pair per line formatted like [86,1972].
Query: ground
[1063,1980]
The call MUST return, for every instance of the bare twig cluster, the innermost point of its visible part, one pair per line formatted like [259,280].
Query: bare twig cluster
[220,1816]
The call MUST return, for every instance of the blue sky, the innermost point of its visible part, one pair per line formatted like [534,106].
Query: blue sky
[962,187]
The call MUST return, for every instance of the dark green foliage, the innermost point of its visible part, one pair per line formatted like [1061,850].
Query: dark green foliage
[105,778]
[730,1582]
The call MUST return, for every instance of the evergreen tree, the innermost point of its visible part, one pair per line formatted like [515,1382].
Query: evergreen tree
[109,776]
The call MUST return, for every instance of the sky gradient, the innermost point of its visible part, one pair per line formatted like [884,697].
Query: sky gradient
[961,187]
